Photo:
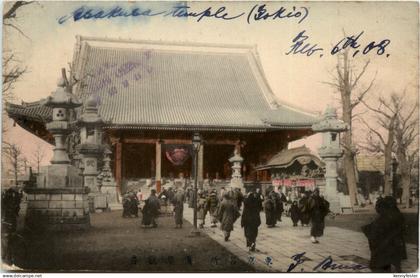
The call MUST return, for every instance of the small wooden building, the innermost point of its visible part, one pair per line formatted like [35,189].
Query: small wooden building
[296,168]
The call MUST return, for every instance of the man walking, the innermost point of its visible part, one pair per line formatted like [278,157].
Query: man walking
[178,202]
[227,214]
[151,209]
[318,208]
[251,218]
[212,203]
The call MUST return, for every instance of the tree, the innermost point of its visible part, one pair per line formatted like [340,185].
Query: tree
[347,83]
[380,138]
[38,156]
[15,156]
[406,141]
[12,70]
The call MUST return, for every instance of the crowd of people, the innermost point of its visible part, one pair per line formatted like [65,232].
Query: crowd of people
[225,207]
[385,233]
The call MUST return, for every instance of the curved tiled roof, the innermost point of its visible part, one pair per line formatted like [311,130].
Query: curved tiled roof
[32,111]
[287,157]
[155,85]
[161,85]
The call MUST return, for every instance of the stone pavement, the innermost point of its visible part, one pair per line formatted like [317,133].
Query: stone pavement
[276,246]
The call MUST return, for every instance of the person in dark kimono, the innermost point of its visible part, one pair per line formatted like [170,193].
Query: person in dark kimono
[239,197]
[318,208]
[126,202]
[151,210]
[270,211]
[191,198]
[227,214]
[133,205]
[279,205]
[212,204]
[10,206]
[170,194]
[295,213]
[251,218]
[201,208]
[304,209]
[385,236]
[178,202]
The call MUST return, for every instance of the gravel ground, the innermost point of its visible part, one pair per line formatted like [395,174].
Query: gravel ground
[117,244]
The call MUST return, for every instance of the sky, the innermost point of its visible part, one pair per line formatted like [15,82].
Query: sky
[295,79]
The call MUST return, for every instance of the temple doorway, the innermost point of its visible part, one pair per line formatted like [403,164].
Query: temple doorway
[216,161]
[138,161]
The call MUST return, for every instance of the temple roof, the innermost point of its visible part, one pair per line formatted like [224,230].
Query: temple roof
[143,84]
[285,158]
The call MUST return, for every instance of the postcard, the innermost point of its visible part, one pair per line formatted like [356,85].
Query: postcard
[209,137]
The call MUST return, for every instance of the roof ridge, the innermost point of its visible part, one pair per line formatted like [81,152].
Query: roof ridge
[164,42]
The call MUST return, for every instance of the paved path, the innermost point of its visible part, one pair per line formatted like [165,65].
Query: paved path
[345,247]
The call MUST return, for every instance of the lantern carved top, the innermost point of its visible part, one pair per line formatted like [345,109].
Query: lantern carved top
[329,122]
[62,97]
[90,114]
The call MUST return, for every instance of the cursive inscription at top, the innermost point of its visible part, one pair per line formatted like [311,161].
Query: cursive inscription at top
[259,12]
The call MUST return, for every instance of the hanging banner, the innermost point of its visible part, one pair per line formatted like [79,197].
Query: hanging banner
[293,182]
[177,154]
[306,183]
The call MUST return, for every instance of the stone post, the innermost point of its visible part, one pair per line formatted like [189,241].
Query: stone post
[330,152]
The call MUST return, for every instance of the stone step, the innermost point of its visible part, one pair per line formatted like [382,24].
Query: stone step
[115,206]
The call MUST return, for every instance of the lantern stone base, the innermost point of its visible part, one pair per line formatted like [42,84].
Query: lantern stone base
[110,191]
[58,176]
[57,209]
[237,183]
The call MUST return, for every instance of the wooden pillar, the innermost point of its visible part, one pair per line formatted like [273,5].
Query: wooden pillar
[158,165]
[118,166]
[200,164]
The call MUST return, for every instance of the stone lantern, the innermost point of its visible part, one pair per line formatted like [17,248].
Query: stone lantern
[108,184]
[90,143]
[236,160]
[59,199]
[330,152]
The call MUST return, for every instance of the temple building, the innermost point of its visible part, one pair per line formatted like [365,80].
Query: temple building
[152,97]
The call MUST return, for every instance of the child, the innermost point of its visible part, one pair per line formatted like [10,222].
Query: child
[295,213]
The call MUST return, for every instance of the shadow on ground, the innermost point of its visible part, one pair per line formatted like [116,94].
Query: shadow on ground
[117,244]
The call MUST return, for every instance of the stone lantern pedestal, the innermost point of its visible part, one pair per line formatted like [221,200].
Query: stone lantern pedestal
[59,199]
